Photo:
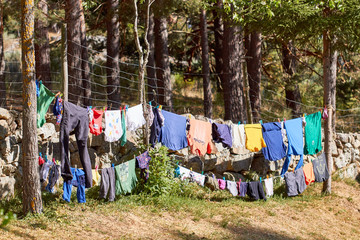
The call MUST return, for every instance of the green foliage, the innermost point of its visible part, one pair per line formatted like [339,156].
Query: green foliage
[6,218]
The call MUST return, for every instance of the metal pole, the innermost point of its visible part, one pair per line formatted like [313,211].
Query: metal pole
[64,63]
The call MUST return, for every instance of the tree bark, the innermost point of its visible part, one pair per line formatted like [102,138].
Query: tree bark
[218,34]
[329,65]
[232,81]
[253,60]
[205,65]
[31,182]
[84,60]
[112,59]
[42,47]
[292,91]
[72,17]
[162,61]
[150,69]
[2,59]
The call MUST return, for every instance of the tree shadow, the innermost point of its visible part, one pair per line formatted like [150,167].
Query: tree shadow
[19,233]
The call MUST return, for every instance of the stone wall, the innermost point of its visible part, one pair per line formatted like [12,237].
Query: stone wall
[345,150]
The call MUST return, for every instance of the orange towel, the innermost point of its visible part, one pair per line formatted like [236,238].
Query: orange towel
[309,173]
[199,137]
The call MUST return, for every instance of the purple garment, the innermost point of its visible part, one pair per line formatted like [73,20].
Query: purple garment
[242,186]
[275,148]
[222,184]
[142,162]
[222,133]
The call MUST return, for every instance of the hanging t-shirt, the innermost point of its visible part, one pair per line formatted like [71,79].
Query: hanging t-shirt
[275,148]
[142,162]
[269,187]
[313,133]
[173,133]
[43,102]
[199,137]
[113,130]
[294,133]
[256,190]
[238,138]
[222,134]
[321,171]
[295,182]
[254,137]
[231,186]
[95,125]
[309,173]
[123,128]
[125,177]
[135,117]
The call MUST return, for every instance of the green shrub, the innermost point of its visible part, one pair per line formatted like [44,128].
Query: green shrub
[5,218]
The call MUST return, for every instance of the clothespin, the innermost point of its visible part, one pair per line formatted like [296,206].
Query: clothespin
[191,169]
[260,122]
[96,168]
[104,109]
[40,154]
[46,158]
[284,119]
[189,116]
[150,103]
[239,123]
[224,178]
[260,179]
[54,161]
[279,120]
[177,163]
[244,122]
[303,114]
[57,94]
[160,107]
[202,172]
[157,106]
[267,176]
[127,107]
[112,165]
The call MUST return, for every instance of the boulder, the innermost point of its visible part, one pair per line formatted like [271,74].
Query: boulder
[260,165]
[242,162]
[7,187]
[350,171]
[343,160]
[47,131]
[356,144]
[95,141]
[195,164]
[344,138]
[210,162]
[4,129]
[5,114]
[233,176]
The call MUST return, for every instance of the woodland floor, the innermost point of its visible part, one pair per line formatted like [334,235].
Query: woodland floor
[217,216]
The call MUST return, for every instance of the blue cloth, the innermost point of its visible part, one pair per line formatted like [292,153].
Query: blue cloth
[275,148]
[37,88]
[57,108]
[155,127]
[294,134]
[173,133]
[222,133]
[77,181]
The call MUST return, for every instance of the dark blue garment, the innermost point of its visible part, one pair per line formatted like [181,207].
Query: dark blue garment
[294,134]
[222,134]
[57,108]
[275,148]
[37,88]
[155,128]
[53,178]
[79,182]
[173,133]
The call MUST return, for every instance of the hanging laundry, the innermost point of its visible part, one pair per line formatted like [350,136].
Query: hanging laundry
[309,173]
[78,181]
[95,123]
[75,117]
[321,171]
[199,137]
[294,133]
[256,190]
[151,115]
[96,177]
[211,182]
[242,187]
[173,133]
[113,128]
[107,184]
[313,133]
[184,173]
[53,178]
[58,109]
[238,138]
[125,177]
[155,128]
[41,160]
[275,148]
[142,162]
[222,184]
[44,171]
[123,128]
[43,102]
[222,134]
[269,187]
[231,186]
[295,182]
[197,177]
[135,118]
[37,82]
[254,138]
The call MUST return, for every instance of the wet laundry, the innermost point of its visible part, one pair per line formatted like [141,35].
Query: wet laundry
[199,137]
[43,103]
[123,128]
[173,133]
[95,123]
[135,117]
[269,187]
[254,137]
[155,127]
[256,190]
[313,133]
[231,186]
[295,182]
[222,134]
[107,184]
[197,177]
[238,138]
[222,184]
[309,173]
[78,181]
[142,162]
[242,186]
[321,170]
[113,128]
[125,177]
[275,148]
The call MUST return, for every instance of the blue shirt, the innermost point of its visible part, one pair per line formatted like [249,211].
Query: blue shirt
[275,148]
[173,133]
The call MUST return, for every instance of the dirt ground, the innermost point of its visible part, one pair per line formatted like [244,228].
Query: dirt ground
[303,217]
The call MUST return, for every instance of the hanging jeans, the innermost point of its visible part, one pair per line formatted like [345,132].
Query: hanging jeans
[107,184]
[75,117]
[77,181]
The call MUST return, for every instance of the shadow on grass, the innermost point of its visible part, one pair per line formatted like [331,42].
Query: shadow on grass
[19,233]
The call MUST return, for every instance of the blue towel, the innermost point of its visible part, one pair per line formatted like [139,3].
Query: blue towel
[275,148]
[294,134]
[173,133]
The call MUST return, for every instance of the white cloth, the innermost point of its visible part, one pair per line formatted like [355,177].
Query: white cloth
[113,130]
[231,186]
[269,186]
[198,178]
[44,171]
[238,138]
[135,118]
[184,173]
[283,131]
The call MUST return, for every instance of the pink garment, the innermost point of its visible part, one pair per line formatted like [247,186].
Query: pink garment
[222,184]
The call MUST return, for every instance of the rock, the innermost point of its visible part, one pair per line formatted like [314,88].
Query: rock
[195,164]
[356,144]
[344,138]
[47,131]
[210,162]
[95,141]
[350,171]
[4,129]
[339,144]
[5,114]
[233,176]
[7,187]
[260,165]
[9,170]
[223,164]
[343,160]
[348,145]
[334,149]
[242,162]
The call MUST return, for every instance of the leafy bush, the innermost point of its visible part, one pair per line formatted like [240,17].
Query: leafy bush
[6,218]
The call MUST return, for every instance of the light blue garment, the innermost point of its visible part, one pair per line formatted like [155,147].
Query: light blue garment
[79,182]
[173,133]
[275,148]
[294,134]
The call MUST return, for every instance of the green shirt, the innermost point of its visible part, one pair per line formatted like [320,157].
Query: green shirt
[123,127]
[43,102]
[313,133]
[125,177]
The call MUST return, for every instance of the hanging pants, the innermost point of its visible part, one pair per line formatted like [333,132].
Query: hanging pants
[75,117]
[77,181]
[107,183]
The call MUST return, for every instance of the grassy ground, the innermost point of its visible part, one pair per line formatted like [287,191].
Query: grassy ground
[207,215]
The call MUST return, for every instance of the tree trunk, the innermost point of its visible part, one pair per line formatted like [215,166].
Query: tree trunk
[232,81]
[205,65]
[85,60]
[112,59]
[162,61]
[2,59]
[218,34]
[150,69]
[42,47]
[253,60]
[292,91]
[72,17]
[31,181]
[329,66]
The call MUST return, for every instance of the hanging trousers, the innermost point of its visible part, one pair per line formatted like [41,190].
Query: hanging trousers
[75,118]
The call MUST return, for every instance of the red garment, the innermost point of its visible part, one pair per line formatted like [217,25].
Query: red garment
[96,123]
[41,161]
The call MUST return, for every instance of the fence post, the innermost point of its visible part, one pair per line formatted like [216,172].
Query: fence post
[64,64]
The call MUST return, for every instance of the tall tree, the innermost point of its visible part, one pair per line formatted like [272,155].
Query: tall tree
[2,59]
[205,64]
[42,47]
[112,58]
[150,69]
[218,34]
[31,182]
